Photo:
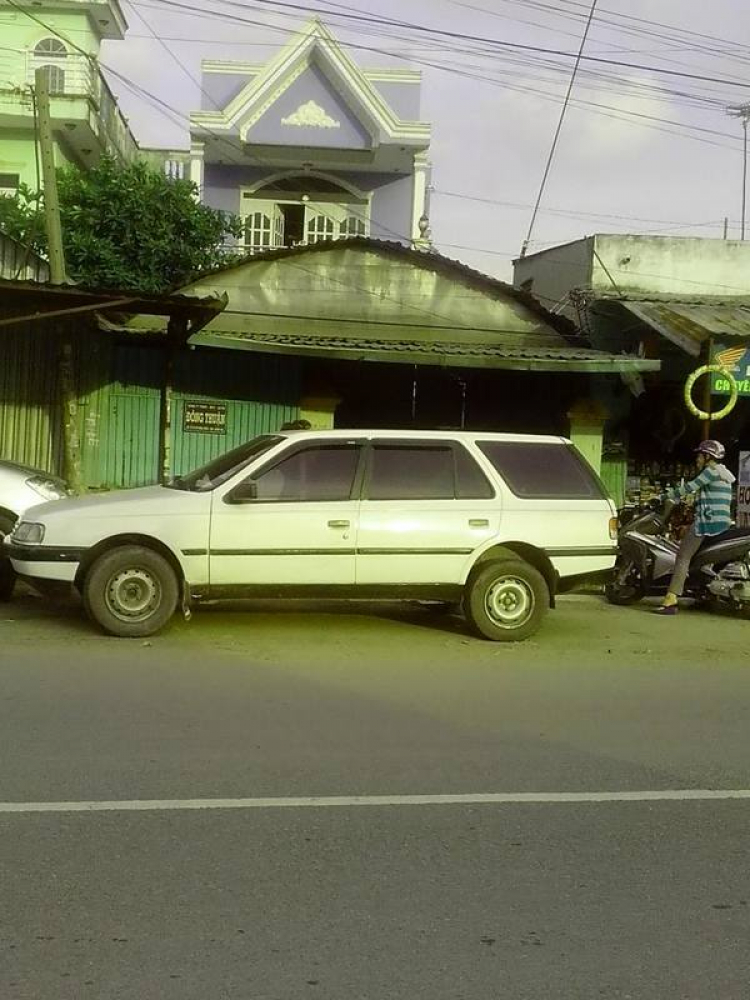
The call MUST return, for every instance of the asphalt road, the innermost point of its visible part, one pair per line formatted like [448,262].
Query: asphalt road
[521,899]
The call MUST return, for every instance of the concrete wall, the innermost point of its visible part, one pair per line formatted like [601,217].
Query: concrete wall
[404,98]
[638,265]
[222,183]
[17,156]
[218,89]
[670,265]
[392,210]
[21,32]
[391,195]
[554,272]
[312,85]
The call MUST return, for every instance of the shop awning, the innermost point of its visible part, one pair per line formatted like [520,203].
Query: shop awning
[450,353]
[689,324]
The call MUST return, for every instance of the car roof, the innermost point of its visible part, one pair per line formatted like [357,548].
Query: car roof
[459,435]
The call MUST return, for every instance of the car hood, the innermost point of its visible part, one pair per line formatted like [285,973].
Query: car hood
[123,503]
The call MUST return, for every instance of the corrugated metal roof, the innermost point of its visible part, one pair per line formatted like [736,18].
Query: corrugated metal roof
[454,354]
[18,261]
[691,324]
[429,260]
[139,302]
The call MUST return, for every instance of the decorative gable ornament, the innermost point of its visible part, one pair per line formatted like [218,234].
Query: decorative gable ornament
[314,45]
[311,115]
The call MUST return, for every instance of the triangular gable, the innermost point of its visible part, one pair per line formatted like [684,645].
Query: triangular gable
[315,46]
[310,112]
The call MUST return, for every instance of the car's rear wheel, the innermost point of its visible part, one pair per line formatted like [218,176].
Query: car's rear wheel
[131,591]
[7,574]
[507,600]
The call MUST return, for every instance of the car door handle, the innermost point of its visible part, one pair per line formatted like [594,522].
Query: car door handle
[478,522]
[339,524]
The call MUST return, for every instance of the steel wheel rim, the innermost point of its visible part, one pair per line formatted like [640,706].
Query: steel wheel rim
[133,594]
[510,602]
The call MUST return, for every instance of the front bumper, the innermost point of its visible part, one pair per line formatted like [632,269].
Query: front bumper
[46,562]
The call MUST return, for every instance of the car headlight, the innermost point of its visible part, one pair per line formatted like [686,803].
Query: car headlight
[28,533]
[48,489]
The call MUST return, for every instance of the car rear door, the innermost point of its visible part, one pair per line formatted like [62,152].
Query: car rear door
[426,506]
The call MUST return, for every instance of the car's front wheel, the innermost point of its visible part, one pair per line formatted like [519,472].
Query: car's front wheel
[7,574]
[131,591]
[507,600]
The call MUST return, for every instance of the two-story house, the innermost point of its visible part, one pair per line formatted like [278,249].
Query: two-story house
[63,38]
[310,147]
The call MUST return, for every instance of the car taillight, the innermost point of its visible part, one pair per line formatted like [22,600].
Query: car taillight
[613,526]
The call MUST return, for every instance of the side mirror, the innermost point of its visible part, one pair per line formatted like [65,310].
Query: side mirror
[246,492]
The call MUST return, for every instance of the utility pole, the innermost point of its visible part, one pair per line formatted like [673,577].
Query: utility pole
[66,371]
[742,111]
[51,204]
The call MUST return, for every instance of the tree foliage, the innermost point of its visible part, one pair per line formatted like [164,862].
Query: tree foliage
[125,227]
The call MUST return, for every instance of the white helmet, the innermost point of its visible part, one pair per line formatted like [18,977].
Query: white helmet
[712,449]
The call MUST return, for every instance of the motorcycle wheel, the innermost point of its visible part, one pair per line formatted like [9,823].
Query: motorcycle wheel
[627,587]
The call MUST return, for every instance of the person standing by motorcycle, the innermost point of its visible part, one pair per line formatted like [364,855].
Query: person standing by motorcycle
[712,488]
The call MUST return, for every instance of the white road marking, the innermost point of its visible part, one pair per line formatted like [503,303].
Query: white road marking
[349,801]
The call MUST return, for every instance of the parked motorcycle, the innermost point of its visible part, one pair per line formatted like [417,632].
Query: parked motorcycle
[719,573]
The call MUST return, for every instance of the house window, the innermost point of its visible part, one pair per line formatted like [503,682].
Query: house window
[50,48]
[257,231]
[352,226]
[9,184]
[46,50]
[319,227]
[55,78]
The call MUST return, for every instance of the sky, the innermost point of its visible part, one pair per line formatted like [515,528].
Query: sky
[646,147]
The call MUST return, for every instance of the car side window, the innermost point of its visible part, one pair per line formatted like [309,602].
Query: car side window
[471,482]
[410,471]
[544,470]
[318,472]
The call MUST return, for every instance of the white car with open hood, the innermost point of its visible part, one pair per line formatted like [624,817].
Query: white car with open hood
[493,523]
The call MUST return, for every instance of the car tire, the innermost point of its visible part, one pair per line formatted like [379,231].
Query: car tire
[131,592]
[7,573]
[507,600]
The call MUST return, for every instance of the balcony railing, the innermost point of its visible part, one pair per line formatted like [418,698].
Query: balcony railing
[76,76]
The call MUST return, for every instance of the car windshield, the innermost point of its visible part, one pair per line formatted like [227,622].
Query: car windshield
[218,471]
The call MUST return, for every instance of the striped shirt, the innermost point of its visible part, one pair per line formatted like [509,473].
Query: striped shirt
[713,502]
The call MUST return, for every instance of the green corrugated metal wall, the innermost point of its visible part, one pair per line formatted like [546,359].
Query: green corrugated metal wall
[29,399]
[260,397]
[126,451]
[118,388]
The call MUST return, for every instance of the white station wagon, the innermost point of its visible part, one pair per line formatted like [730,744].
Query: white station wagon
[493,523]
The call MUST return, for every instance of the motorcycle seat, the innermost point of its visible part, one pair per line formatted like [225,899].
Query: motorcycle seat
[726,536]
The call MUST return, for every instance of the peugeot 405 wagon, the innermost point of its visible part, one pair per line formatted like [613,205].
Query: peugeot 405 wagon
[492,524]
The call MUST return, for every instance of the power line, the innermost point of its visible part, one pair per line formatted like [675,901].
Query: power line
[558,130]
[618,113]
[176,115]
[460,36]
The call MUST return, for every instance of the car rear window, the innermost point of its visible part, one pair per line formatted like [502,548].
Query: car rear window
[544,470]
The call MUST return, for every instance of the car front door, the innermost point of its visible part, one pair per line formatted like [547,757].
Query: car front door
[292,522]
[426,506]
